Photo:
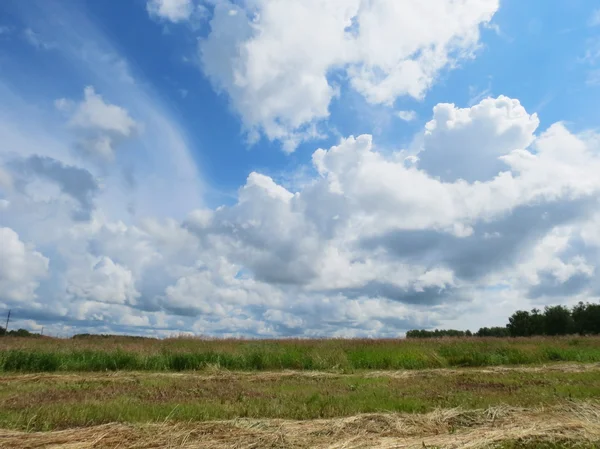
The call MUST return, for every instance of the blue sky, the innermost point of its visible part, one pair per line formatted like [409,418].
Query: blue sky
[196,165]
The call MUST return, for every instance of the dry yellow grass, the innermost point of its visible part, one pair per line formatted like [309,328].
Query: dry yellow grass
[450,428]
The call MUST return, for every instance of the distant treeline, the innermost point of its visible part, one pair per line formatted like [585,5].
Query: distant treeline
[583,319]
[26,333]
[439,333]
[18,333]
[108,336]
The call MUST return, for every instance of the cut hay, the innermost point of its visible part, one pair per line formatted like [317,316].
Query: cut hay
[444,428]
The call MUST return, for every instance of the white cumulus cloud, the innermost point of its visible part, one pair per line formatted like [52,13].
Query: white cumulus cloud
[367,246]
[100,124]
[274,58]
[466,143]
[21,268]
[102,280]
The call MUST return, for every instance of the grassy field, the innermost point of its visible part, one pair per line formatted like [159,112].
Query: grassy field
[520,407]
[190,393]
[118,354]
[74,400]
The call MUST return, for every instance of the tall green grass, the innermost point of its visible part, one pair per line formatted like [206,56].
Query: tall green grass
[18,355]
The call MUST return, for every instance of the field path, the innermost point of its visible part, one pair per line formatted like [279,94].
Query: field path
[273,375]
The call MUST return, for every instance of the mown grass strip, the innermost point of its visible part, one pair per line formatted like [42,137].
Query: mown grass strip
[65,401]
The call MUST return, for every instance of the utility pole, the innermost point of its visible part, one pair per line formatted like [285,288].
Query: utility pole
[7,320]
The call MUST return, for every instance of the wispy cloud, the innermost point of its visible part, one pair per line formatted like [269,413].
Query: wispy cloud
[591,58]
[160,153]
[36,40]
[407,116]
[595,18]
[476,94]
[593,78]
[592,51]
[171,10]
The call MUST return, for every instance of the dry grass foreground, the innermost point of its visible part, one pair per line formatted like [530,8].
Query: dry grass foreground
[574,423]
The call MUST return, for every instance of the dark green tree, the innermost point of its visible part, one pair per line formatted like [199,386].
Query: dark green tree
[537,322]
[557,320]
[519,324]
[586,318]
